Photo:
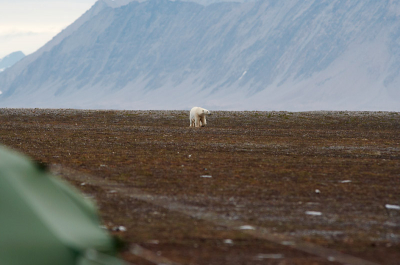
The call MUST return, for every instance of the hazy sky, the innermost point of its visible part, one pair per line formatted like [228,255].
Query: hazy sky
[26,25]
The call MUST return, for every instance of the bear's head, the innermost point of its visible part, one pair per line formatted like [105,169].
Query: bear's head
[206,112]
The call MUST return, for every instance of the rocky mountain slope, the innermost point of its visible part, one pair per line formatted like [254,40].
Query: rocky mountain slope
[160,54]
[10,60]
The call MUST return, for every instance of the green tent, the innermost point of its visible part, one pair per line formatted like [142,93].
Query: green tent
[44,221]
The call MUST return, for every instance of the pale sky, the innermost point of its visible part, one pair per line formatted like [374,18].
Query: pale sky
[26,25]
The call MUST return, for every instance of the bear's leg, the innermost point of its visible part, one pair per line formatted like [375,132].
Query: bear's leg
[197,122]
[191,122]
[203,121]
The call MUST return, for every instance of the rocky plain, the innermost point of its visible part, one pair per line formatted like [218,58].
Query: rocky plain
[251,187]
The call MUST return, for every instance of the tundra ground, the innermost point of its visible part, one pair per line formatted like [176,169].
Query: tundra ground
[250,188]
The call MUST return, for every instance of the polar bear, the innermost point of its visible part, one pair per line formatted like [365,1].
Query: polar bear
[198,117]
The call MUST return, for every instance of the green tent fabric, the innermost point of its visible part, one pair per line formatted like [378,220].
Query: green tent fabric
[46,221]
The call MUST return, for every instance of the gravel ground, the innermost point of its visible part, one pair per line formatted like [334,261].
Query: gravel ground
[302,180]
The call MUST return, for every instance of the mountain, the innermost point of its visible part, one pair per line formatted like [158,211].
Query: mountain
[10,60]
[266,55]
[208,2]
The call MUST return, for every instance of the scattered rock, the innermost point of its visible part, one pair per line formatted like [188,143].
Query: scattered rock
[228,241]
[119,228]
[345,181]
[246,227]
[392,207]
[313,213]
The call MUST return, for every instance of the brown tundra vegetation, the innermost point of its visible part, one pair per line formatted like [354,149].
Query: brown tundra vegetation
[249,188]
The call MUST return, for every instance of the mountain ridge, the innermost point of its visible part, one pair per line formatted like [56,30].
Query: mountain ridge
[10,60]
[160,54]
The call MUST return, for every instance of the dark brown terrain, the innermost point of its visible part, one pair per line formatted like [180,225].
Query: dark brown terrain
[249,188]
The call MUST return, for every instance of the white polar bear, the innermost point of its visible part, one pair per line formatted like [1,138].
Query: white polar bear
[198,117]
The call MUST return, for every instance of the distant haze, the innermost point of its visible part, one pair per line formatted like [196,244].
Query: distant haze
[27,25]
[266,55]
